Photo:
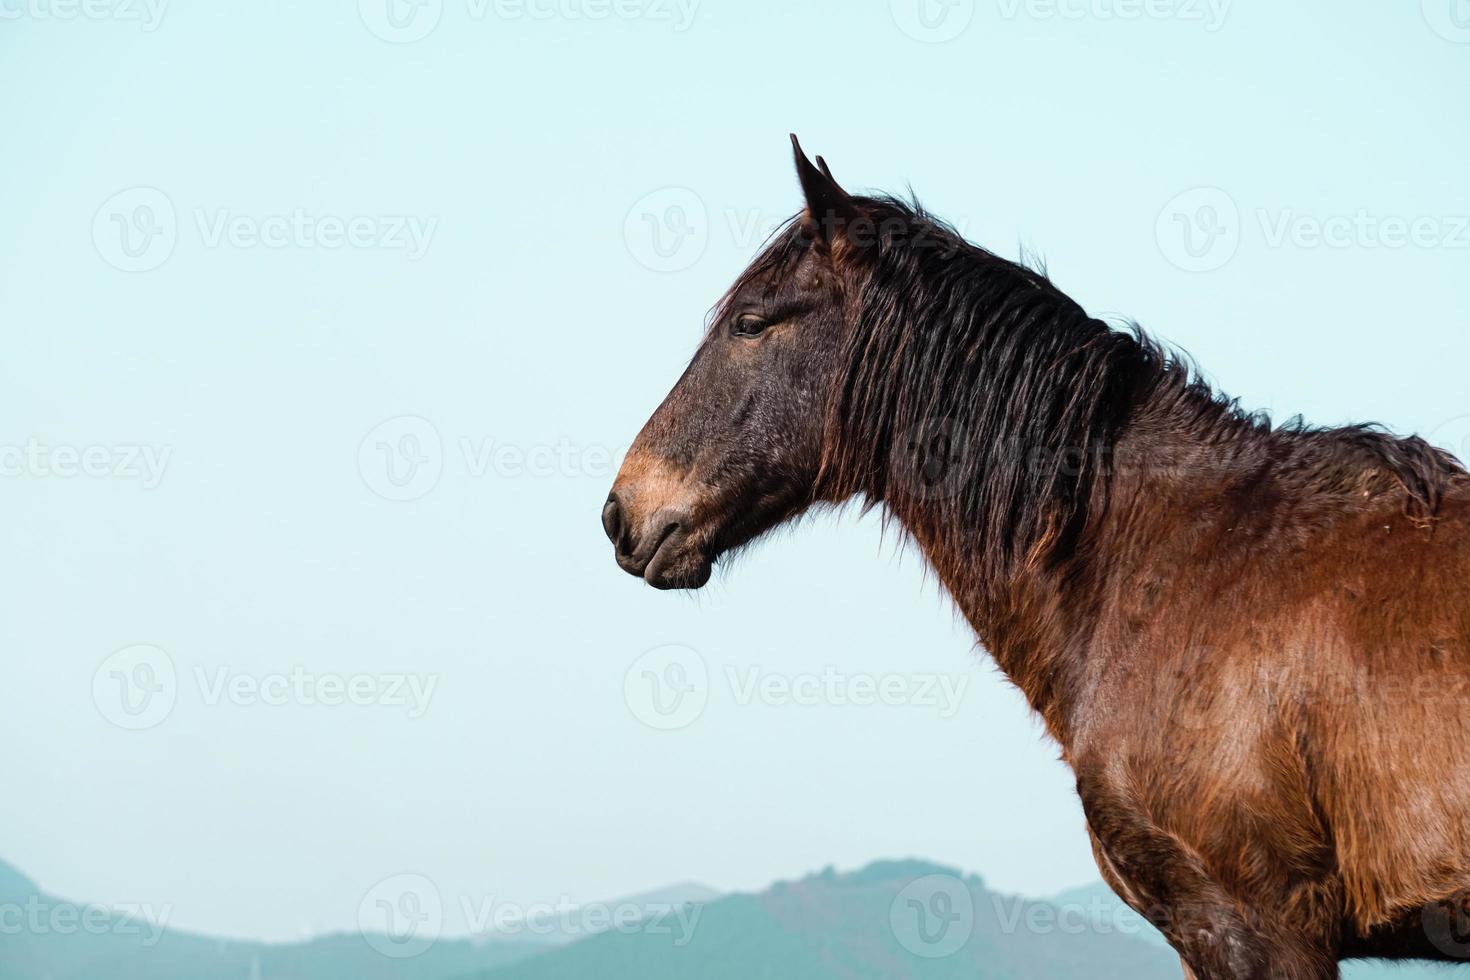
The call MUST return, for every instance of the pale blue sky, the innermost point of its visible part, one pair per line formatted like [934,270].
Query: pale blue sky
[504,288]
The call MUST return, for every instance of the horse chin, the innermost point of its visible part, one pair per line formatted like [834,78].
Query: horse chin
[676,565]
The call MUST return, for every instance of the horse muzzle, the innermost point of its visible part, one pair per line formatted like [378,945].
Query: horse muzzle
[657,544]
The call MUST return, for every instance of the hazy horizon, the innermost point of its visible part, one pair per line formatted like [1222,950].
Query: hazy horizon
[480,924]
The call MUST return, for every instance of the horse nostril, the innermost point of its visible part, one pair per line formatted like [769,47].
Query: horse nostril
[612,520]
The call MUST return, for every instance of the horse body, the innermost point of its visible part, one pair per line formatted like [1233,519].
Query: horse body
[1251,643]
[1258,665]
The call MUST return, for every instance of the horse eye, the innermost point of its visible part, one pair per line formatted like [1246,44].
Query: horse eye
[748,325]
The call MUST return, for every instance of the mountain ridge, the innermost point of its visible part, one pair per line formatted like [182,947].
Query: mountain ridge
[892,919]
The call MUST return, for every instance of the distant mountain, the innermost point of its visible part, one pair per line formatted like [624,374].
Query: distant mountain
[1107,914]
[893,920]
[14,886]
[43,937]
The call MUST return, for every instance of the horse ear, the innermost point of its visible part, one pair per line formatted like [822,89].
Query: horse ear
[828,206]
[826,170]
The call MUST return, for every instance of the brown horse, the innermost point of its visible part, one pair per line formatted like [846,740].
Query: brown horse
[1251,642]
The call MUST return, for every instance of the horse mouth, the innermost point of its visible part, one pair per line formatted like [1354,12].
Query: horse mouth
[673,562]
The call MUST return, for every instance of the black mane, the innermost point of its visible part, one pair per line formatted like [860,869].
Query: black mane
[951,341]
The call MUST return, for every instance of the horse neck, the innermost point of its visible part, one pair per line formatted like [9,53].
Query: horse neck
[1016,376]
[1038,617]
[1034,621]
